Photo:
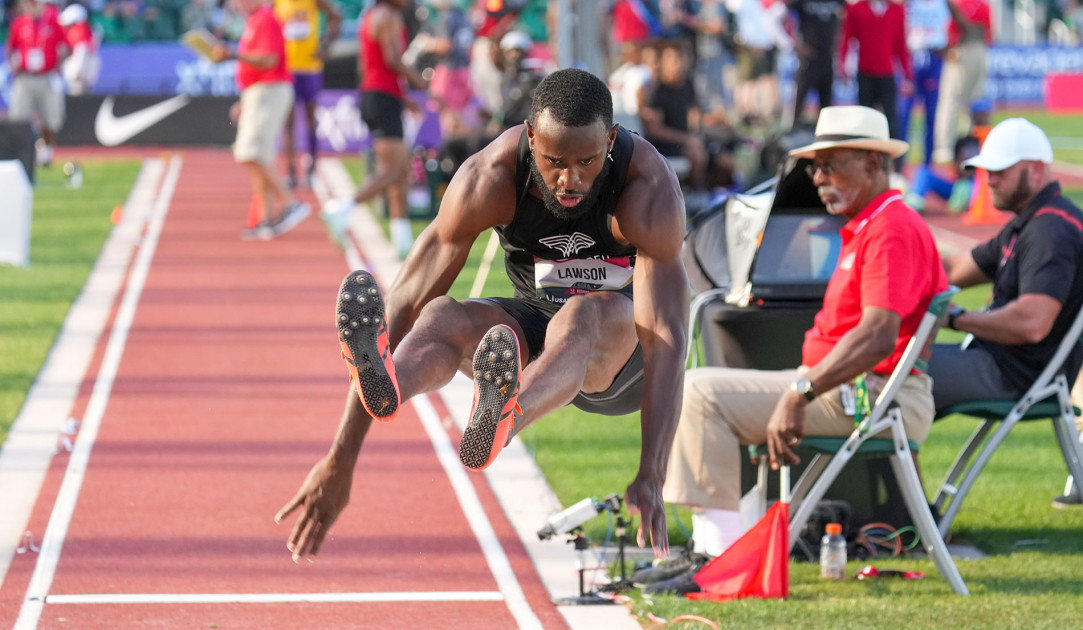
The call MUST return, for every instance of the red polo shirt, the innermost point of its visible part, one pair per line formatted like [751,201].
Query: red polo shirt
[888,260]
[881,39]
[262,35]
[976,11]
[37,42]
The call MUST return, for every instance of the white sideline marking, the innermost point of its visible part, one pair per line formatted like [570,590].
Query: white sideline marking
[475,515]
[63,509]
[32,442]
[277,598]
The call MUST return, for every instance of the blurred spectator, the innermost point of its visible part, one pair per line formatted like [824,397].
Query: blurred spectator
[158,24]
[759,37]
[879,28]
[628,82]
[198,15]
[35,49]
[306,50]
[926,37]
[266,99]
[674,123]
[956,189]
[81,69]
[495,18]
[451,39]
[383,38]
[712,34]
[963,78]
[632,21]
[521,79]
[817,32]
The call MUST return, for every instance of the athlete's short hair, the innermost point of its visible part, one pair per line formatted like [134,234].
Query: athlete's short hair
[575,98]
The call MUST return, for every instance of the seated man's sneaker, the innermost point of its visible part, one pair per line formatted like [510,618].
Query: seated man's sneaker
[1070,500]
[681,584]
[496,396]
[362,333]
[670,568]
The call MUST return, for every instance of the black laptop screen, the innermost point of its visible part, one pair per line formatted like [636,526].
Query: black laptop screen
[797,255]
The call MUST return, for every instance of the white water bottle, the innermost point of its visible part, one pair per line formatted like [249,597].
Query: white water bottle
[833,553]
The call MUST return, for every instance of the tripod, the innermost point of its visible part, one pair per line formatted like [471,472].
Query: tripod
[582,545]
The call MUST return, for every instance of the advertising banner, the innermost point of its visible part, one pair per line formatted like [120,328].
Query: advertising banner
[183,120]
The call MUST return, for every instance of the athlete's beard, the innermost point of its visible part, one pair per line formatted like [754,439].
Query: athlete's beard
[552,204]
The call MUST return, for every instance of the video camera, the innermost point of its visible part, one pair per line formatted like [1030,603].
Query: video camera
[574,516]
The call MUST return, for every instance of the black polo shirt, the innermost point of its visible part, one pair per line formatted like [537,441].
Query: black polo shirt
[1038,251]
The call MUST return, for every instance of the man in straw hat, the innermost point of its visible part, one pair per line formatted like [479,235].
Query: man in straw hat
[1035,265]
[888,271]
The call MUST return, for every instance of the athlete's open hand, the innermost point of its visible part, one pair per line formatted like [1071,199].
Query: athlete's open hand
[644,496]
[322,497]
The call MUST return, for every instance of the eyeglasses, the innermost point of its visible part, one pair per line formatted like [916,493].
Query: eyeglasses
[827,168]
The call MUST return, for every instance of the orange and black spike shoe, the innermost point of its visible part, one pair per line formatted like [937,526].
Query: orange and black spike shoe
[496,398]
[362,333]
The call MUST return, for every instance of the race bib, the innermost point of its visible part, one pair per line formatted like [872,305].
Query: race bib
[558,280]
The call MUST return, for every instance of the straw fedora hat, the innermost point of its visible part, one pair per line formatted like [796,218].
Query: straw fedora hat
[852,127]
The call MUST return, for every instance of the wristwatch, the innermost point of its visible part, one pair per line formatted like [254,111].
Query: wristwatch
[803,386]
[952,314]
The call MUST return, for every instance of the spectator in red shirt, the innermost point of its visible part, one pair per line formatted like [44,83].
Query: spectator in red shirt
[266,101]
[963,79]
[81,69]
[879,27]
[35,48]
[888,272]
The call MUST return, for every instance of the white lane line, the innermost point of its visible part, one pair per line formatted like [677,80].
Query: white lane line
[64,508]
[276,598]
[475,515]
[32,441]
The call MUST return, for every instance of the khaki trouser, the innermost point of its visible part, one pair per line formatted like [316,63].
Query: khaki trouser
[725,408]
[962,81]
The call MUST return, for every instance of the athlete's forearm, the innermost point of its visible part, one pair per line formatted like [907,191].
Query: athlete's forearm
[351,433]
[663,365]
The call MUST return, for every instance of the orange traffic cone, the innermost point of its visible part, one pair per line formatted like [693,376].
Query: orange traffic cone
[255,211]
[981,203]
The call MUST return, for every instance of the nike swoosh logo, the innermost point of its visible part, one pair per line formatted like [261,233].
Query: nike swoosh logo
[113,130]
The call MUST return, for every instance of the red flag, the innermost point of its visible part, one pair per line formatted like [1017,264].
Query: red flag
[757,565]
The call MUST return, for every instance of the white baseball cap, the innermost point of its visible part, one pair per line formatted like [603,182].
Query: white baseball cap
[1013,140]
[516,39]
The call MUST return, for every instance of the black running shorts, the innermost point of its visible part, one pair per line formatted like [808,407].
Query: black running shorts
[624,396]
[382,114]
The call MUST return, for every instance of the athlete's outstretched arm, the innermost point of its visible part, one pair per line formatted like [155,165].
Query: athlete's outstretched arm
[650,215]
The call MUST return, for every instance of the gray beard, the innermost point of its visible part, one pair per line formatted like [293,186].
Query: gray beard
[588,203]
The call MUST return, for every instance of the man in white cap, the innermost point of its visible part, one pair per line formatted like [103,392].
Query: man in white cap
[1036,266]
[888,272]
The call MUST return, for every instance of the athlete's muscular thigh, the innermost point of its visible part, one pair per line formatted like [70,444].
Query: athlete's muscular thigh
[601,323]
[461,324]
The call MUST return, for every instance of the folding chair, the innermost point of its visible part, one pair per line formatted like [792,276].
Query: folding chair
[833,453]
[1048,397]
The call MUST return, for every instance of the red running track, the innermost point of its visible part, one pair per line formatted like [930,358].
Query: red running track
[228,390]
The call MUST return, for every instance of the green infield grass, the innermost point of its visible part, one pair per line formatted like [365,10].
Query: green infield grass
[68,229]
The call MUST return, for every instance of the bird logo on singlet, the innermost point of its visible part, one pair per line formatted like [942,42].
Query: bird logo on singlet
[568,244]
